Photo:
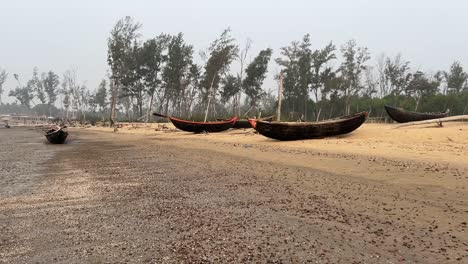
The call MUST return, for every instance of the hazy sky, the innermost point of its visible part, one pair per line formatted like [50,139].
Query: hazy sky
[58,35]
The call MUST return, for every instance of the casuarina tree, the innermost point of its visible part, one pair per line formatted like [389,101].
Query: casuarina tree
[50,85]
[255,75]
[120,45]
[351,69]
[222,52]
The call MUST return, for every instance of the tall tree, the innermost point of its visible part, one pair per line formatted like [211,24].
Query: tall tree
[194,79]
[305,72]
[222,52]
[351,69]
[3,77]
[382,78]
[333,87]
[175,73]
[101,97]
[255,74]
[66,97]
[371,83]
[75,91]
[291,75]
[321,73]
[24,94]
[132,83]
[230,87]
[120,45]
[50,84]
[456,78]
[420,86]
[397,75]
[153,58]
[242,57]
[37,86]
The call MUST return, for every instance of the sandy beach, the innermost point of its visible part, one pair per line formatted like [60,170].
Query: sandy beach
[154,195]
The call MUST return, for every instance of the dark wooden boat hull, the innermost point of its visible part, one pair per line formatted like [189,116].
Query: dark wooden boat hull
[199,127]
[56,136]
[403,116]
[245,123]
[242,124]
[310,130]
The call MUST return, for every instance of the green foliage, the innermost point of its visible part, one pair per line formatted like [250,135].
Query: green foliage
[50,84]
[36,84]
[322,73]
[354,59]
[161,72]
[101,95]
[456,78]
[420,85]
[255,75]
[122,55]
[176,71]
[153,57]
[221,53]
[23,94]
[230,85]
[397,75]
[296,60]
[120,44]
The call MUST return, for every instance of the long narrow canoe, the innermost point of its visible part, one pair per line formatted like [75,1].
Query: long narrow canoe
[403,116]
[310,130]
[56,135]
[198,127]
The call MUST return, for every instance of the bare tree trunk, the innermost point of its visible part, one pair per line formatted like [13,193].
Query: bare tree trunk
[317,110]
[417,104]
[150,107]
[280,97]
[305,106]
[242,58]
[209,97]
[318,114]
[112,110]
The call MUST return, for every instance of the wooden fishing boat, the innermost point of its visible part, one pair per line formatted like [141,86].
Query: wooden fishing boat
[56,135]
[242,124]
[198,127]
[252,122]
[310,130]
[245,123]
[402,116]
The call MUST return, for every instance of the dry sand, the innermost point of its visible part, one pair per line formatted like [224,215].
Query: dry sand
[377,195]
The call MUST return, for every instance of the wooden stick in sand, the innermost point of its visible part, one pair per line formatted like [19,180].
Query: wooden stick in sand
[437,121]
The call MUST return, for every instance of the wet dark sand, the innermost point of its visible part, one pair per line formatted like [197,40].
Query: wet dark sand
[113,198]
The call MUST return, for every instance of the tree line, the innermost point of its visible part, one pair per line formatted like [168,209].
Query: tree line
[161,74]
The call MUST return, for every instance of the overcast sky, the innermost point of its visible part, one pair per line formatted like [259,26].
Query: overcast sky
[58,35]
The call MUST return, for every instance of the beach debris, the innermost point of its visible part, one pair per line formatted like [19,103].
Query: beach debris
[161,127]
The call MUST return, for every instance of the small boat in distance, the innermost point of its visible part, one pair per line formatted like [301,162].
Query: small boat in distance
[56,135]
[198,127]
[310,130]
[403,116]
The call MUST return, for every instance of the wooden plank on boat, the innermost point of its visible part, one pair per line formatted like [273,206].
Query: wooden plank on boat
[437,121]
